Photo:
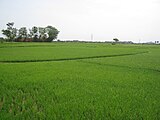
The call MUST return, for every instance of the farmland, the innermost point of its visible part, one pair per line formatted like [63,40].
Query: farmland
[79,81]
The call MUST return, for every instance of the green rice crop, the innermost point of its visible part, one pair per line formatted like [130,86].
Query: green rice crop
[106,88]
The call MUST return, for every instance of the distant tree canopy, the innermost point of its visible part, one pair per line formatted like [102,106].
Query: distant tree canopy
[115,39]
[1,39]
[52,33]
[10,32]
[35,34]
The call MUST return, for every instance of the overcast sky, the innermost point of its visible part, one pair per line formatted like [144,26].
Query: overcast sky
[77,19]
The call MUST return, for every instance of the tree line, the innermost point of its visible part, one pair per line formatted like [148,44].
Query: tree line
[35,34]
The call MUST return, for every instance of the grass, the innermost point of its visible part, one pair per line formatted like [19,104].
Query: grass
[121,87]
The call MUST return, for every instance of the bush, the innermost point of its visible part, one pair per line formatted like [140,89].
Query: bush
[113,43]
[2,39]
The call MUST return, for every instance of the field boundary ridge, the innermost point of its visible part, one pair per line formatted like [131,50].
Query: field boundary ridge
[69,59]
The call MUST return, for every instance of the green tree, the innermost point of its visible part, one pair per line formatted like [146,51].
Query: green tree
[35,33]
[30,34]
[23,33]
[10,32]
[2,39]
[42,34]
[115,39]
[52,33]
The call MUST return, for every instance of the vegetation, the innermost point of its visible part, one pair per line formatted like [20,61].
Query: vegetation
[2,39]
[124,83]
[10,32]
[116,40]
[36,34]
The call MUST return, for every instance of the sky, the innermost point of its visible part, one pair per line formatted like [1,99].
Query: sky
[127,20]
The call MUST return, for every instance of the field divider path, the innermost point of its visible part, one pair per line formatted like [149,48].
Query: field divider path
[69,59]
[120,66]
